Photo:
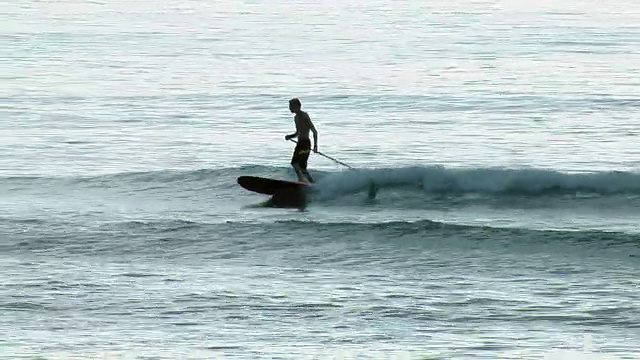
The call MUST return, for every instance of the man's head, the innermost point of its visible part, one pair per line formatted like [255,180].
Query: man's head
[294,105]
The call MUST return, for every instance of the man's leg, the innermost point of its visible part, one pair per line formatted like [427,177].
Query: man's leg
[295,162]
[300,173]
[299,161]
[304,158]
[309,177]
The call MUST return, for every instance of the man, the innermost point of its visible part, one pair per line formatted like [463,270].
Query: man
[303,147]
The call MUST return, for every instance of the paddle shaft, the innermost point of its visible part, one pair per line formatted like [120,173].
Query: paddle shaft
[328,157]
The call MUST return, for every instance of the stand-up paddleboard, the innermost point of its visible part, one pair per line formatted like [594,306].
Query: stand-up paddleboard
[269,186]
[284,193]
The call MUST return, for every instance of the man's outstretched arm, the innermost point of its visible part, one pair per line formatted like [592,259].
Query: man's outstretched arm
[288,137]
[291,136]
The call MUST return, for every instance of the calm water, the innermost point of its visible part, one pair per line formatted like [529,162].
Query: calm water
[503,138]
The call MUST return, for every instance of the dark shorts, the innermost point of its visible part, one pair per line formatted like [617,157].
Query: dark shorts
[301,153]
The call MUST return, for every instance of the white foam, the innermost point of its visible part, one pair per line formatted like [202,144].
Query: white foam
[483,180]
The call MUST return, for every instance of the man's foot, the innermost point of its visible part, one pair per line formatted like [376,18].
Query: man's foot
[309,177]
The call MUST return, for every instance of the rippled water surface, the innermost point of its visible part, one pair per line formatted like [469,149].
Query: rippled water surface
[502,138]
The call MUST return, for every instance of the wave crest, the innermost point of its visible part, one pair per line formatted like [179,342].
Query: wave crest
[438,179]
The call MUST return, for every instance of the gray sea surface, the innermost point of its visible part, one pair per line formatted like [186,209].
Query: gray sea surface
[502,137]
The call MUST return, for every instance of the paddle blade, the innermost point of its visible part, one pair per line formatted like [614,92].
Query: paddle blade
[372,191]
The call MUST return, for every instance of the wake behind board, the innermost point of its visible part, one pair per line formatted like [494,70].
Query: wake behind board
[270,186]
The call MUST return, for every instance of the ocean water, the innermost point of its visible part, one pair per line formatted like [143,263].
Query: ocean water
[502,136]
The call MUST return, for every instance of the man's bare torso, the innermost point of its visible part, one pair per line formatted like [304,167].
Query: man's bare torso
[303,125]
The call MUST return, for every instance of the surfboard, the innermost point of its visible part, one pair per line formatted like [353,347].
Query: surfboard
[269,186]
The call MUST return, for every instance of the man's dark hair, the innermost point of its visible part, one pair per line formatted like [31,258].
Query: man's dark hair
[295,101]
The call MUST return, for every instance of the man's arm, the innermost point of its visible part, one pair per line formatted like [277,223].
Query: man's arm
[288,137]
[315,134]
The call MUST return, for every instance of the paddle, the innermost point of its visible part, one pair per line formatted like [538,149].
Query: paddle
[329,157]
[373,189]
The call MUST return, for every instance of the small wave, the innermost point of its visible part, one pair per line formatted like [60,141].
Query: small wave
[439,179]
[22,306]
[432,179]
[231,238]
[418,226]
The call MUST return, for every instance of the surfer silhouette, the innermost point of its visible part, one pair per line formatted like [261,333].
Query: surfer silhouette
[303,147]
